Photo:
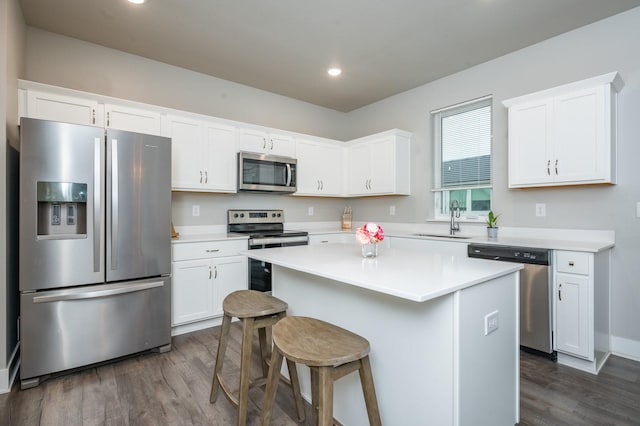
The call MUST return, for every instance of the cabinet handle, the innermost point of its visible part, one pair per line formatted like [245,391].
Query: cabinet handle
[324,241]
[200,176]
[215,275]
[212,250]
[108,119]
[571,263]
[318,186]
[206,177]
[321,184]
[560,292]
[93,116]
[264,143]
[548,167]
[271,145]
[556,167]
[209,272]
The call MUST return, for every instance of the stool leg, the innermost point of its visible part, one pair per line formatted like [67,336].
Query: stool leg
[245,370]
[222,348]
[325,412]
[272,387]
[264,350]
[295,388]
[314,394]
[366,378]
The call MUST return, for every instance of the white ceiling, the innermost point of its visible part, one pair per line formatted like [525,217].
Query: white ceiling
[285,46]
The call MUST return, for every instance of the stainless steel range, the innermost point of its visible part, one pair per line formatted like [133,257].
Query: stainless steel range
[265,229]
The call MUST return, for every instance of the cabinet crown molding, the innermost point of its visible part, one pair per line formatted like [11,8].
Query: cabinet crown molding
[612,78]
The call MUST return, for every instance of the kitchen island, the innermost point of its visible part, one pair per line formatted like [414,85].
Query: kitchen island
[426,317]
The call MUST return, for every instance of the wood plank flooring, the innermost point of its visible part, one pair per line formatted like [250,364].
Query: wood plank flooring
[173,389]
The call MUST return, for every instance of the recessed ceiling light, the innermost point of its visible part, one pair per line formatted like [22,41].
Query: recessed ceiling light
[137,1]
[334,72]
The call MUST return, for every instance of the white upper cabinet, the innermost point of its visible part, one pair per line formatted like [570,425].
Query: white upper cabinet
[262,142]
[319,170]
[133,119]
[380,164]
[67,109]
[203,156]
[565,135]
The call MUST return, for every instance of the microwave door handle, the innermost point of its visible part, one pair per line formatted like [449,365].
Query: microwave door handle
[114,204]
[288,174]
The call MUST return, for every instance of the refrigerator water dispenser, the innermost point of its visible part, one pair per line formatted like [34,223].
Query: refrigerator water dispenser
[62,210]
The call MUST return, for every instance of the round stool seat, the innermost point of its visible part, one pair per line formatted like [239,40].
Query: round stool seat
[317,343]
[251,304]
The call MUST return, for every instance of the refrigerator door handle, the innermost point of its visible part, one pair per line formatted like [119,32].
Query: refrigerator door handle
[114,204]
[97,205]
[81,294]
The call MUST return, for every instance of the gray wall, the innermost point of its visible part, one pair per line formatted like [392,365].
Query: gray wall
[610,45]
[12,42]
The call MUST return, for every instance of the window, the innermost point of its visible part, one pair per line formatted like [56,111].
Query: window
[462,141]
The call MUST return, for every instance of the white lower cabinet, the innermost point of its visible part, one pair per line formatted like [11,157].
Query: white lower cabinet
[201,284]
[572,315]
[341,237]
[581,299]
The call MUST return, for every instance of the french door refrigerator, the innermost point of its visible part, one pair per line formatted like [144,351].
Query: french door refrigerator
[95,246]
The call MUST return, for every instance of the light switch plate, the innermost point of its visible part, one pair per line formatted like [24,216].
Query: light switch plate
[638,209]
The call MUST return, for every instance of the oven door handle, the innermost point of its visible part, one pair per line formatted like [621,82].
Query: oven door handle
[277,240]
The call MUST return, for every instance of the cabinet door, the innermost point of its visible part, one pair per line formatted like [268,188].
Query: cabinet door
[529,144]
[229,275]
[281,144]
[580,149]
[133,119]
[192,291]
[572,315]
[319,169]
[67,109]
[220,156]
[383,166]
[186,157]
[359,169]
[308,170]
[252,140]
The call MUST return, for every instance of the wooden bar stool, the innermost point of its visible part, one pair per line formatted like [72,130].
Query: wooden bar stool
[330,352]
[257,311]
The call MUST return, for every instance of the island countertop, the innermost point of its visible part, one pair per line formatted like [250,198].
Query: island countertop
[408,274]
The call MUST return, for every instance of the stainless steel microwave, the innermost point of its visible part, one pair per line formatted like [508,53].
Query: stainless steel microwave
[266,173]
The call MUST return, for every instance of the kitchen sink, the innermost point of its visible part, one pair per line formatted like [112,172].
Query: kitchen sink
[459,237]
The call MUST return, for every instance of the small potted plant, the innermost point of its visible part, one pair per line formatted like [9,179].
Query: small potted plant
[492,225]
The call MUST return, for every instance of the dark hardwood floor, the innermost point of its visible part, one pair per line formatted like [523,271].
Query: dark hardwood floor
[173,389]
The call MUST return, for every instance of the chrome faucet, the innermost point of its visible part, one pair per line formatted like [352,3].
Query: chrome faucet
[455,209]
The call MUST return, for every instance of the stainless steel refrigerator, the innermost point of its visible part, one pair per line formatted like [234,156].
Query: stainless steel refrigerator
[95,246]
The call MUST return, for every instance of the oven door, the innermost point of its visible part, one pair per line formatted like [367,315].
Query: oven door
[260,272]
[266,173]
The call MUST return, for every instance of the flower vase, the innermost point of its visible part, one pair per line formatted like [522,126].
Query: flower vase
[369,250]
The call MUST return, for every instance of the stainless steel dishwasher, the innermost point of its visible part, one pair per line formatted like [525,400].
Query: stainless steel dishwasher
[535,292]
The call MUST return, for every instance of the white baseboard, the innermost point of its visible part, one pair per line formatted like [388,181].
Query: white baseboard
[9,374]
[625,348]
[195,326]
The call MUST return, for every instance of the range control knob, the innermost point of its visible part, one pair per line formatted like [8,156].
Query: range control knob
[235,215]
[241,214]
[279,214]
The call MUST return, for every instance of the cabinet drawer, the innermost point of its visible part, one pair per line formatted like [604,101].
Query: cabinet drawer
[573,262]
[201,250]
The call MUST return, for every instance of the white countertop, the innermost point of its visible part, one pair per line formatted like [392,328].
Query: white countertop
[562,241]
[194,238]
[408,274]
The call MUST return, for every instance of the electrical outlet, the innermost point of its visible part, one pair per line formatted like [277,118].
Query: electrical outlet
[392,210]
[195,210]
[638,209]
[541,209]
[310,211]
[491,323]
